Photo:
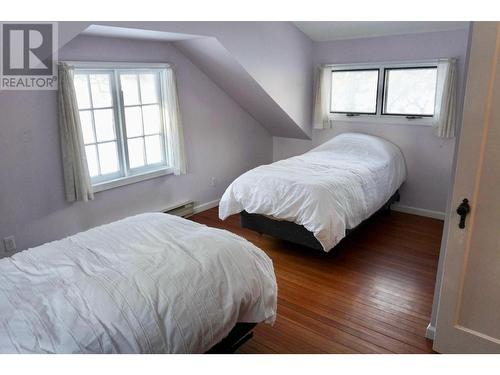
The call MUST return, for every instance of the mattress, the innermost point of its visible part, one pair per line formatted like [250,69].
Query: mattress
[328,190]
[152,283]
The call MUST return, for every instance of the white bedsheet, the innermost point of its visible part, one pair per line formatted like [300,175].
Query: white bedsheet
[329,189]
[152,283]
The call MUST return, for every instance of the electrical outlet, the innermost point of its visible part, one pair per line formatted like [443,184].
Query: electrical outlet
[9,244]
[214,181]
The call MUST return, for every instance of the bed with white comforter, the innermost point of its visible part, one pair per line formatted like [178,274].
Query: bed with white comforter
[327,190]
[151,283]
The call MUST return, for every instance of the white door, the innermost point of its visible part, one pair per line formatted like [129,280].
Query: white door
[468,318]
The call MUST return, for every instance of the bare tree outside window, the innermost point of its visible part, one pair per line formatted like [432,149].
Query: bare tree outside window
[354,91]
[410,91]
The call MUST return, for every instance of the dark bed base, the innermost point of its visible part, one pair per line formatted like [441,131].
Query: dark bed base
[288,231]
[240,334]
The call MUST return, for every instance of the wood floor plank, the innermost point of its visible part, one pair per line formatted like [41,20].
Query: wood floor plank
[371,294]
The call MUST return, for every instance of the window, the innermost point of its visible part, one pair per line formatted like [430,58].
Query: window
[410,91]
[384,90]
[123,125]
[354,91]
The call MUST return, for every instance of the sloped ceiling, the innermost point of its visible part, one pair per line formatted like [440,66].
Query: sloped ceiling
[213,59]
[265,66]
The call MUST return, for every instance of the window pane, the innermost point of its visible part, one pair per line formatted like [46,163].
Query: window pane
[410,91]
[153,149]
[91,153]
[130,89]
[108,157]
[104,125]
[86,122]
[136,152]
[152,119]
[354,91]
[133,121]
[149,91]
[101,90]
[82,91]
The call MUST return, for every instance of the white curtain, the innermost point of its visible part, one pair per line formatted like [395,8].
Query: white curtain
[174,124]
[445,110]
[322,92]
[78,186]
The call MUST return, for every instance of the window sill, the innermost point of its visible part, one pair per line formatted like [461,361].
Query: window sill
[384,120]
[122,181]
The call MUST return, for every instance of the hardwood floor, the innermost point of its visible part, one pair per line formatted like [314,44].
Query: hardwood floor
[371,294]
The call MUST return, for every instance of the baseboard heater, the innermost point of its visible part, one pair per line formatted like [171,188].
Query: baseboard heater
[185,209]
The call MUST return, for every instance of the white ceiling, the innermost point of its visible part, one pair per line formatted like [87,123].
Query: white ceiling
[335,30]
[129,33]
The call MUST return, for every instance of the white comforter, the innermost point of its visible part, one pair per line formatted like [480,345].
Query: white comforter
[152,283]
[329,189]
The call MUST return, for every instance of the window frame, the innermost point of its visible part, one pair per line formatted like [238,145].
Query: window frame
[114,106]
[379,118]
[350,113]
[384,90]
[127,175]
[163,133]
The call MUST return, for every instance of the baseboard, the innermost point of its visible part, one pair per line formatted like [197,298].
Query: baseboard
[419,211]
[430,332]
[205,206]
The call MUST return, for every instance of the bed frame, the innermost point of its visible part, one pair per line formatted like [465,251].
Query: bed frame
[288,231]
[240,334]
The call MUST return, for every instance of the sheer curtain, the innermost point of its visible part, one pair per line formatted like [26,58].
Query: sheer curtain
[78,186]
[445,111]
[174,123]
[322,92]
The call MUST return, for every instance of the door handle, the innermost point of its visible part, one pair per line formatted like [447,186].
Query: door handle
[463,209]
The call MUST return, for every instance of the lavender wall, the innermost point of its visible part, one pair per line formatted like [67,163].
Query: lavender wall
[429,159]
[221,141]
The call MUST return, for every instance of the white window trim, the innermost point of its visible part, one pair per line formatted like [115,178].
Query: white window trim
[379,118]
[154,172]
[132,179]
[382,119]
